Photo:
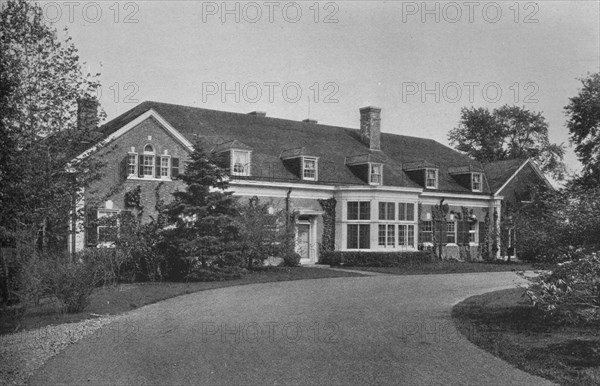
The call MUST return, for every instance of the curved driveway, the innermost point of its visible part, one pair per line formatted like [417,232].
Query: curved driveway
[381,329]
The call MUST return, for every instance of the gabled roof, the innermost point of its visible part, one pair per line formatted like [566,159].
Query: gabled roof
[500,173]
[268,137]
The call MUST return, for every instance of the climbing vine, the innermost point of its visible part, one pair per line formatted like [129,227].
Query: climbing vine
[328,242]
[133,198]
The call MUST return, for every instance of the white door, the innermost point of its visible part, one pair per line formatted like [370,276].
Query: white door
[303,242]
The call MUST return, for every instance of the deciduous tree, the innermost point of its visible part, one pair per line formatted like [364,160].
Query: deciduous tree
[508,132]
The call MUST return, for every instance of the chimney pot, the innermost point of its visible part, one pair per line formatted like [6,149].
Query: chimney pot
[370,126]
[258,113]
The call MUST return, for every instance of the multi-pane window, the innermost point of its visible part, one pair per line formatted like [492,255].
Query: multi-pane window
[309,169]
[241,163]
[148,161]
[387,211]
[451,232]
[476,182]
[375,175]
[427,232]
[431,180]
[358,236]
[164,166]
[473,233]
[108,226]
[406,211]
[148,166]
[359,210]
[406,235]
[387,235]
[132,164]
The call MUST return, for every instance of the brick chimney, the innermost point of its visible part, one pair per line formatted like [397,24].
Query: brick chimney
[258,113]
[87,113]
[370,126]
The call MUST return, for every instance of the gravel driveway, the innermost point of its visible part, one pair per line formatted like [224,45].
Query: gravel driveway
[364,330]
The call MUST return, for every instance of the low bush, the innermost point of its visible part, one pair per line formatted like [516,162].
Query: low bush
[72,283]
[215,274]
[570,293]
[376,259]
[291,260]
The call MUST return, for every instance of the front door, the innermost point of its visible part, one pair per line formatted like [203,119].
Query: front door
[303,242]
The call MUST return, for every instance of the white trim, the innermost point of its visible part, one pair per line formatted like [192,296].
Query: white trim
[150,113]
[535,168]
[303,159]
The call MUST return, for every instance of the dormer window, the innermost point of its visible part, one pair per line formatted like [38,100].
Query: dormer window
[476,182]
[431,178]
[240,162]
[309,169]
[375,175]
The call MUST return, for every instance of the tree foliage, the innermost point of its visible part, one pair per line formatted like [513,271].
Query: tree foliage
[41,83]
[583,122]
[202,218]
[508,132]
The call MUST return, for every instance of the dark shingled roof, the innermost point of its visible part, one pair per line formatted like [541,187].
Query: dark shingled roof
[498,172]
[268,137]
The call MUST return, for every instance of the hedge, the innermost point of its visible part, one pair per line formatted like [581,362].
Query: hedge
[376,259]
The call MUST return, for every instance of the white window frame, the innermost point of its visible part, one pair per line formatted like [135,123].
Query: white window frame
[387,243]
[245,168]
[135,164]
[162,167]
[423,231]
[454,225]
[152,156]
[315,161]
[106,213]
[480,182]
[404,242]
[435,184]
[474,232]
[372,174]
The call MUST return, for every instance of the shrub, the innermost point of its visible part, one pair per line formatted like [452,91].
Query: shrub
[215,274]
[72,283]
[376,259]
[571,292]
[291,259]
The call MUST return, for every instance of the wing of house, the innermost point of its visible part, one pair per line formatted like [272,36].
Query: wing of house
[380,188]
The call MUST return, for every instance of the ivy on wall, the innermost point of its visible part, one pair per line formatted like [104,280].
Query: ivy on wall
[133,198]
[328,242]
[438,214]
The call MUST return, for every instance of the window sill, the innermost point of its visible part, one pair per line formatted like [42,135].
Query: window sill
[134,178]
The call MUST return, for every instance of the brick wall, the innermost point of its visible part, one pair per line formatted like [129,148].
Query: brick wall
[113,186]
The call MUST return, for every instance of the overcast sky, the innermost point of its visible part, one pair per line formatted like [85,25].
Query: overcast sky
[419,64]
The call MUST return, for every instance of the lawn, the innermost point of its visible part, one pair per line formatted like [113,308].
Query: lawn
[124,297]
[506,325]
[446,267]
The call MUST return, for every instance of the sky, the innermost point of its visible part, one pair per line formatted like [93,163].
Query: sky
[419,62]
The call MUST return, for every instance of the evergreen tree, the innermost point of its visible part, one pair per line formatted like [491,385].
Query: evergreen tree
[202,218]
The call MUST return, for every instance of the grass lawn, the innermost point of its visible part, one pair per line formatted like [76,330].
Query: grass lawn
[446,267]
[506,325]
[124,297]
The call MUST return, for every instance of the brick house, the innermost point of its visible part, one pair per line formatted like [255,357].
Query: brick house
[349,189]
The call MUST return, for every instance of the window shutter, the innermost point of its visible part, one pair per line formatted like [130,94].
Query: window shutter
[123,166]
[174,167]
[141,166]
[91,227]
[157,166]
[460,235]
